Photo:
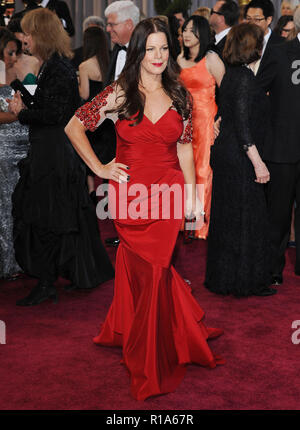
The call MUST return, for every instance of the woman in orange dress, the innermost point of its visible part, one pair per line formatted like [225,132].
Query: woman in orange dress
[201,71]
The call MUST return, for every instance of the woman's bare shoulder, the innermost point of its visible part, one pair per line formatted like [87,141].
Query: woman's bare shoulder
[180,59]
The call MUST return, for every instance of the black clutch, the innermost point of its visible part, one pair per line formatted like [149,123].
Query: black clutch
[189,230]
[27,98]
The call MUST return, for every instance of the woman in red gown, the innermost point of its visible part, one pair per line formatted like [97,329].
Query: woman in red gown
[153,316]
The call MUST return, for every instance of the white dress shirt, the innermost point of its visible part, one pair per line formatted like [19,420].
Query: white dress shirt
[266,40]
[121,60]
[222,34]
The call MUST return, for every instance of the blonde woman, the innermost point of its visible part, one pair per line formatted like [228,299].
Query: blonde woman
[56,232]
[203,11]
[286,8]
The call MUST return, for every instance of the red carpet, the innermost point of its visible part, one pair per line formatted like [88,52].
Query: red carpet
[49,361]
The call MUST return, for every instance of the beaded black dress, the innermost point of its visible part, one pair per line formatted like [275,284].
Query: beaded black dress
[55,224]
[238,260]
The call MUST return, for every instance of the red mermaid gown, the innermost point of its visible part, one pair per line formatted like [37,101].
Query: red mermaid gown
[153,316]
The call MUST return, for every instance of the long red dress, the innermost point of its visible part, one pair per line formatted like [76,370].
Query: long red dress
[201,84]
[153,316]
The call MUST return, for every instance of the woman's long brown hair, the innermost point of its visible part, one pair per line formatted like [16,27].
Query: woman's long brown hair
[95,44]
[134,101]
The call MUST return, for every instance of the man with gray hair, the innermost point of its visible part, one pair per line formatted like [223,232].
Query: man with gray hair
[90,21]
[280,77]
[122,17]
[93,21]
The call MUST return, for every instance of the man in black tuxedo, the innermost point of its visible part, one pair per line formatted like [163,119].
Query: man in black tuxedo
[224,15]
[62,11]
[280,77]
[29,5]
[261,13]
[181,15]
[122,17]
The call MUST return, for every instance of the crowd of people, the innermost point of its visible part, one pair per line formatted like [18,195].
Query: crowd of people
[205,104]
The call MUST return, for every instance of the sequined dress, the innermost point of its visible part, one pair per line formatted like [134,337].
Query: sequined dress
[14,146]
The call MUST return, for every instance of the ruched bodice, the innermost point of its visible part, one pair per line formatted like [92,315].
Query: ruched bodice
[153,142]
[150,151]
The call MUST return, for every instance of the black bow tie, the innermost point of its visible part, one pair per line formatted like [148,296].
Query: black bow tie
[122,48]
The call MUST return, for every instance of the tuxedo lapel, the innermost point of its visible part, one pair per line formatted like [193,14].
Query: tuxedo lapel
[51,4]
[293,49]
[62,11]
[273,40]
[220,46]
[112,66]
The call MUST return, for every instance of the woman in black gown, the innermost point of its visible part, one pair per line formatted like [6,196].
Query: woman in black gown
[93,69]
[238,260]
[92,72]
[55,225]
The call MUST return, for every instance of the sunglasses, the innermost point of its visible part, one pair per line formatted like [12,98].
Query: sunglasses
[213,11]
